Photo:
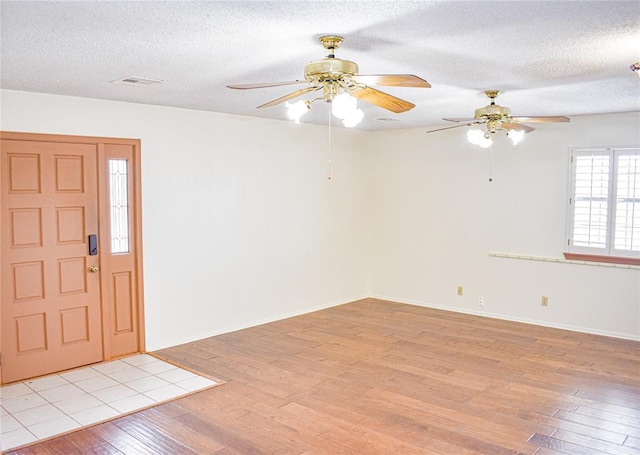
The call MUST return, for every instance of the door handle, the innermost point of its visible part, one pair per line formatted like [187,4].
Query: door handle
[93,269]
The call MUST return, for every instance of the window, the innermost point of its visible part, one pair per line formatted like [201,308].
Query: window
[119,202]
[604,206]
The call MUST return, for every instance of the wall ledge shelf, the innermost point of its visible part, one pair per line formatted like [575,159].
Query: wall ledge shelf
[527,257]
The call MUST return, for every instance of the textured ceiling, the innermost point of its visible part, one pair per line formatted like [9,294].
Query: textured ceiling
[549,57]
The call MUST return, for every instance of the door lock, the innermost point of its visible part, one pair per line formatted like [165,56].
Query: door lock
[93,245]
[93,269]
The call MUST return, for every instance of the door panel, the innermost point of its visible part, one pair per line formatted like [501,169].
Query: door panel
[51,314]
[26,227]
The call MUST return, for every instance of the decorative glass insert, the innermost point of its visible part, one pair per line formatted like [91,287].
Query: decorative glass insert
[119,202]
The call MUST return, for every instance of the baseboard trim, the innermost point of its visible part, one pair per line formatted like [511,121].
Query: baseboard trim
[624,336]
[420,303]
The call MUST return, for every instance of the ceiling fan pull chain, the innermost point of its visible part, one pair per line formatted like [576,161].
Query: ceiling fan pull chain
[330,142]
[490,163]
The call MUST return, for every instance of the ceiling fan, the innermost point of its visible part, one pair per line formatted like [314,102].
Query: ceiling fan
[333,75]
[496,118]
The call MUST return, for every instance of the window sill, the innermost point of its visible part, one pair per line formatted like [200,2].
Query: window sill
[606,259]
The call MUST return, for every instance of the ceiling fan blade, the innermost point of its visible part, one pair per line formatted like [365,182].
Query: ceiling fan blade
[391,80]
[382,99]
[455,126]
[265,84]
[282,99]
[518,127]
[558,118]
[472,119]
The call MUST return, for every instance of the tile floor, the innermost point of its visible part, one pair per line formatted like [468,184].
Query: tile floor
[43,407]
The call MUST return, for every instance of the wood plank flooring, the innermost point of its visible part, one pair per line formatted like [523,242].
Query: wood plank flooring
[377,377]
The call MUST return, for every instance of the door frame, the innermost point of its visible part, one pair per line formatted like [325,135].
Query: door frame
[104,227]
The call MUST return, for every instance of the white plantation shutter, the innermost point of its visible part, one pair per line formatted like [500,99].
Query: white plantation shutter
[627,218]
[605,202]
[591,199]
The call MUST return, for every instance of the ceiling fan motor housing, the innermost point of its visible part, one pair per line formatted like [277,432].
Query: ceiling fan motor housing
[493,112]
[329,69]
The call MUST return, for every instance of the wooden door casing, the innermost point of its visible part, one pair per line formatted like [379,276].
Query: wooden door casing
[56,314]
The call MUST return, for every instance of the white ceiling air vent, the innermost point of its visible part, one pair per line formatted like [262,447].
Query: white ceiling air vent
[134,80]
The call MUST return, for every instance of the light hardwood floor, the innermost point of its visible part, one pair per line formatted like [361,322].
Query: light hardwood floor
[376,377]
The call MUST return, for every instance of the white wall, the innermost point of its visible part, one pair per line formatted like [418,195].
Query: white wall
[240,223]
[435,217]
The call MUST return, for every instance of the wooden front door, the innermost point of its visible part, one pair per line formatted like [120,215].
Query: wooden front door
[65,301]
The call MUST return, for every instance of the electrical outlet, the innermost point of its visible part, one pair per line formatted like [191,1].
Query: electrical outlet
[460,290]
[544,301]
[481,301]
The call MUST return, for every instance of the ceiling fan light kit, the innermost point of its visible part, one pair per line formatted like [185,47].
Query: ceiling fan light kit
[479,137]
[297,109]
[345,107]
[516,136]
[339,78]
